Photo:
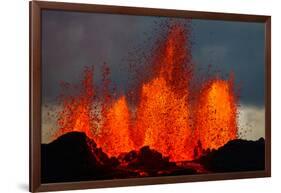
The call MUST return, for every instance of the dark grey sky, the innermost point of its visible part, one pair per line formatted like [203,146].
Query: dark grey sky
[72,40]
[233,46]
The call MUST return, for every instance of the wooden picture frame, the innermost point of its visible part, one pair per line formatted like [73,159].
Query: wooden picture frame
[36,8]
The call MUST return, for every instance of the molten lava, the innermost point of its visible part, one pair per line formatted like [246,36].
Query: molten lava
[164,117]
[116,128]
[216,114]
[77,114]
[163,111]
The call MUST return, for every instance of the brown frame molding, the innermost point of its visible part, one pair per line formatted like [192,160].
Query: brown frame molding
[36,7]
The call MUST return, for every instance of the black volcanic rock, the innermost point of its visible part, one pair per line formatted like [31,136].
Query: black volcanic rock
[149,162]
[150,159]
[74,157]
[236,155]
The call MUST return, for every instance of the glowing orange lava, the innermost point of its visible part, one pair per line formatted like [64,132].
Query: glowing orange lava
[216,114]
[164,117]
[163,112]
[116,128]
[77,114]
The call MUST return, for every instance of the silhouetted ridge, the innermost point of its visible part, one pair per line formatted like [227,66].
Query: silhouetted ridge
[75,157]
[236,155]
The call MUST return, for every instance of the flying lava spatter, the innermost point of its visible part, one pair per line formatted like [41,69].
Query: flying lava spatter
[164,118]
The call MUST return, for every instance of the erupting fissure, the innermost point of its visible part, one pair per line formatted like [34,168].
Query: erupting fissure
[166,119]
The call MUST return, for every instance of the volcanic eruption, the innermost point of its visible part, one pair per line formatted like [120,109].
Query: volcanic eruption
[171,116]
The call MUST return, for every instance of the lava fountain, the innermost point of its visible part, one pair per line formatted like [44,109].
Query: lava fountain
[163,111]
[116,129]
[76,113]
[216,113]
[165,118]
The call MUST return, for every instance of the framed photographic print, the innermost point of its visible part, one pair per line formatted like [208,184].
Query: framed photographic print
[123,96]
